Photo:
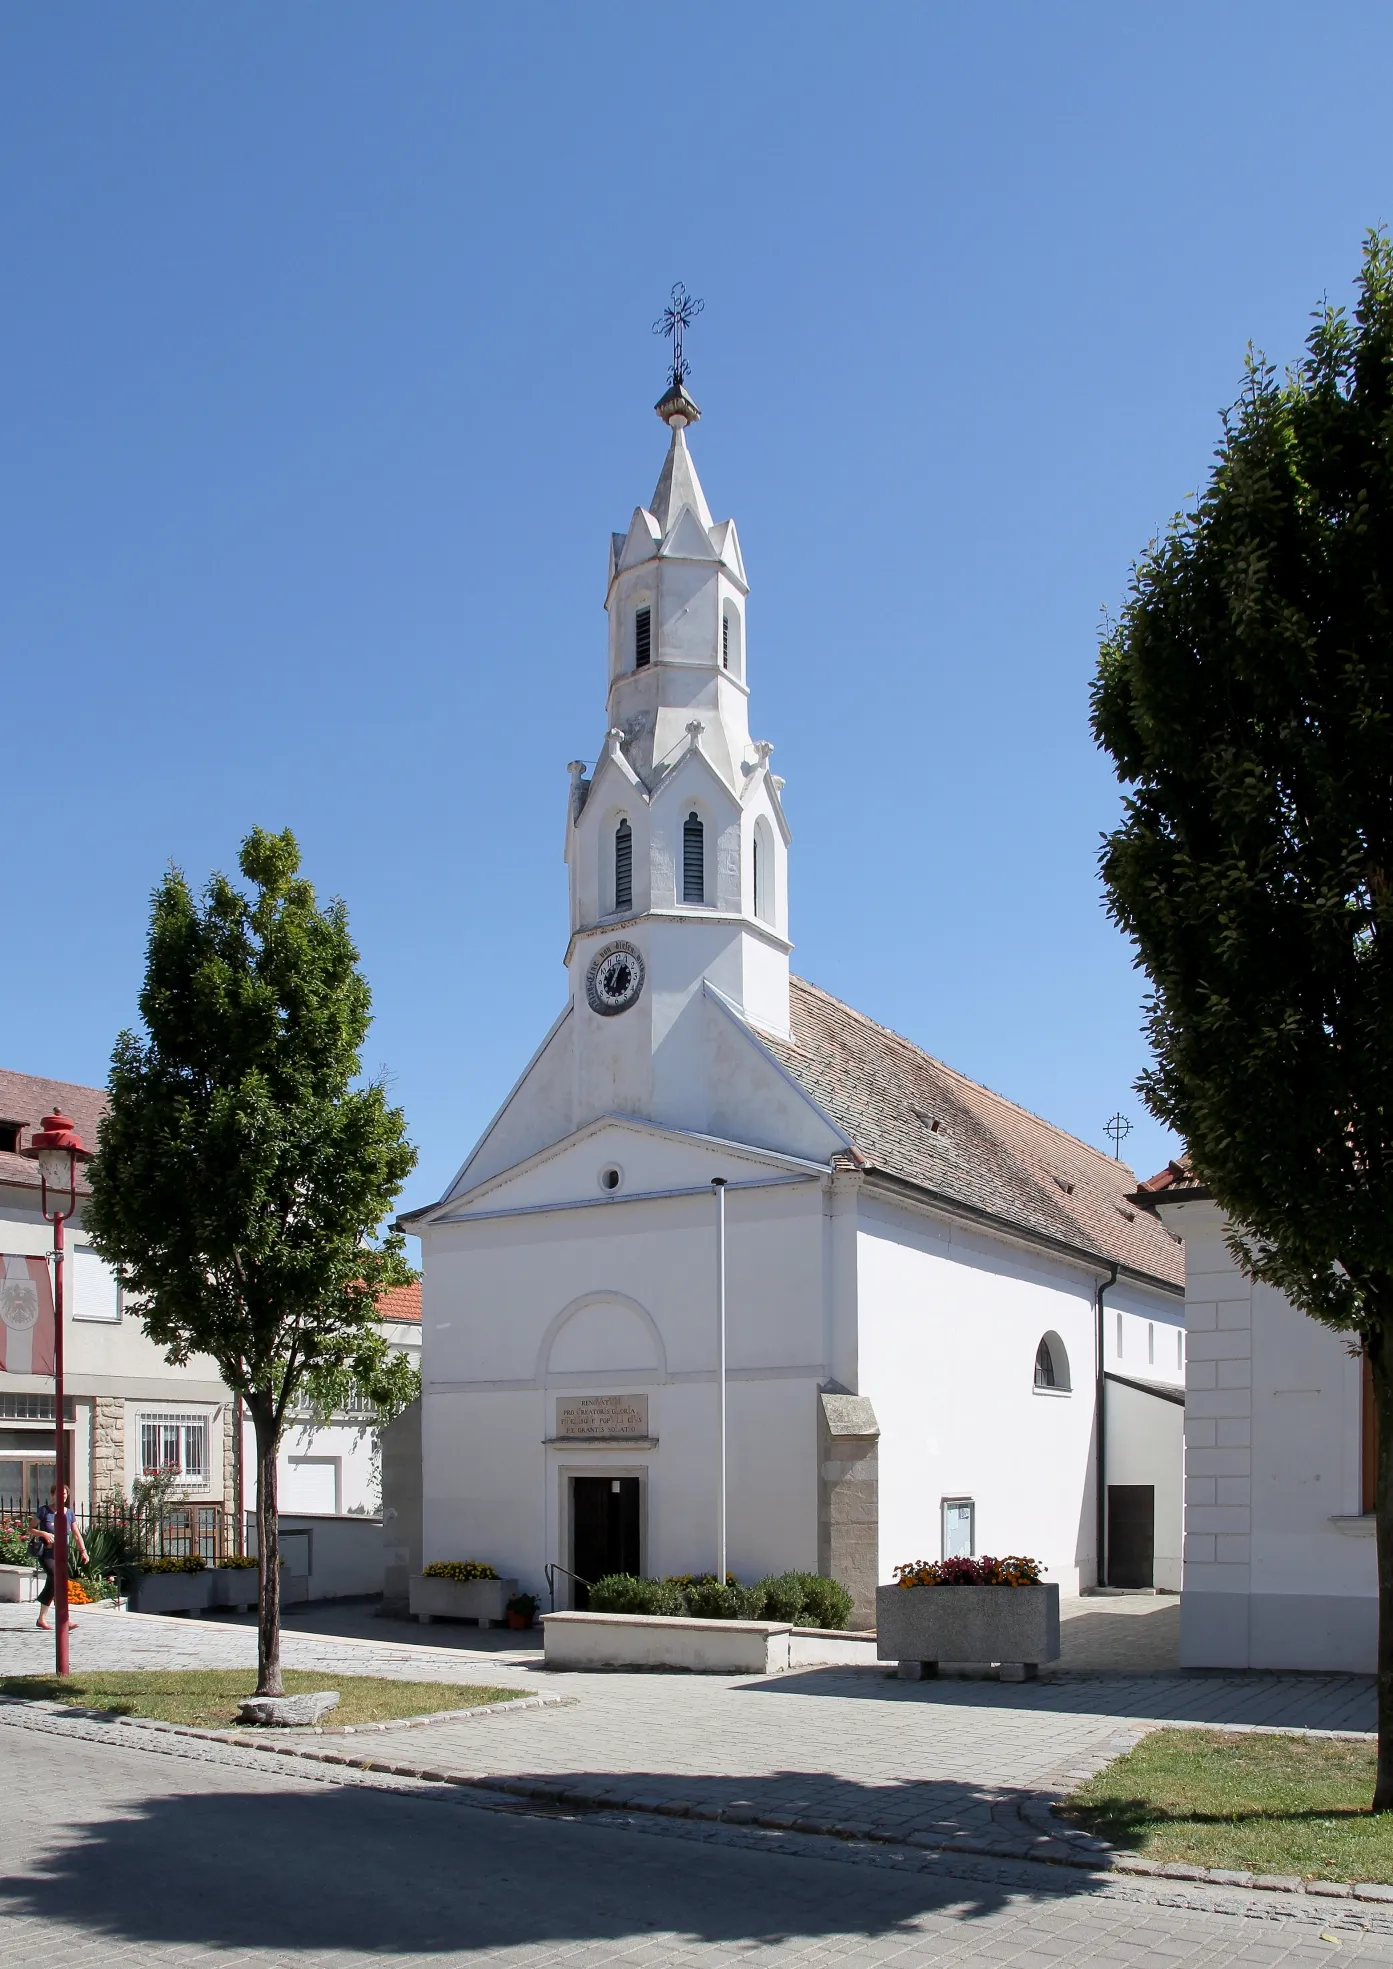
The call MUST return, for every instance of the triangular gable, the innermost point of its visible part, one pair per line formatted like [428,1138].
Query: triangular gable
[687,540]
[693,763]
[612,763]
[641,541]
[726,542]
[674,1160]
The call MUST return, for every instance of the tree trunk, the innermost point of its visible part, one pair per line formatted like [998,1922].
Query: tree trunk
[1380,1351]
[268,1547]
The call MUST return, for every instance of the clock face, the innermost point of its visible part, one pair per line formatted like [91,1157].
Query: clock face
[615,979]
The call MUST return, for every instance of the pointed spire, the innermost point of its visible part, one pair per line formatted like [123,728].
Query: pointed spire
[678,484]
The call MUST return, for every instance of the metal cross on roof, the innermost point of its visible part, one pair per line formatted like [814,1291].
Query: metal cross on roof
[676,318]
[1117,1128]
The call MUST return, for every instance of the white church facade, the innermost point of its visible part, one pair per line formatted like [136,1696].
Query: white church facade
[931,1295]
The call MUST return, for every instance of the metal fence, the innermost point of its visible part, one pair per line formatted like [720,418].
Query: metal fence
[179,1531]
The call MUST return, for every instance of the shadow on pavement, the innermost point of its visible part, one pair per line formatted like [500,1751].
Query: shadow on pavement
[372,1873]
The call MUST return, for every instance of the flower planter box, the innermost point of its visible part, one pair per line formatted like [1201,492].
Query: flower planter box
[233,1586]
[20,1584]
[171,1592]
[710,1647]
[921,1626]
[480,1600]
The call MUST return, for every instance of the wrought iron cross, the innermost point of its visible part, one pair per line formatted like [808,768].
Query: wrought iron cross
[1117,1128]
[676,318]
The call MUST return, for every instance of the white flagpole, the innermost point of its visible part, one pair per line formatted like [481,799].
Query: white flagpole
[718,1184]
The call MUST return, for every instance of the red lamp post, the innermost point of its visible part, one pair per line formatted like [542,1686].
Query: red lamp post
[58,1149]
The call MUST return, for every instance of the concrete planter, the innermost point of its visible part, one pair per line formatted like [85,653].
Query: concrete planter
[481,1600]
[233,1586]
[19,1584]
[171,1592]
[921,1626]
[712,1647]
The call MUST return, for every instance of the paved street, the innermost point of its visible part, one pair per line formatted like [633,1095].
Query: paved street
[177,1852]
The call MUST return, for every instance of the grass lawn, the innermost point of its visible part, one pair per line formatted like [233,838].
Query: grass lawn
[1258,1804]
[208,1697]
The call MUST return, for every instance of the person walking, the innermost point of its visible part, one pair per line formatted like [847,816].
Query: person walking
[44,1547]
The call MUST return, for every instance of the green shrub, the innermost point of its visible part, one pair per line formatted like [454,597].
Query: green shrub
[826,1602]
[707,1599]
[782,1596]
[464,1570]
[14,1544]
[621,1592]
[233,1563]
[192,1564]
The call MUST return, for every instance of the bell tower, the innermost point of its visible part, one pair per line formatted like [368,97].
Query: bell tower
[676,841]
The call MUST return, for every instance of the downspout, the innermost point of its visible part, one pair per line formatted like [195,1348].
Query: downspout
[1100,1432]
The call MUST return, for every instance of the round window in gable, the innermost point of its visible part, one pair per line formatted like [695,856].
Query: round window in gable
[611,1178]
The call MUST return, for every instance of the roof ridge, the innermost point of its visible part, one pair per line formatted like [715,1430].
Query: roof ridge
[980,1086]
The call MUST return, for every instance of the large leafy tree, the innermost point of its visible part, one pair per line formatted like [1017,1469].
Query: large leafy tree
[1246,698]
[245,1163]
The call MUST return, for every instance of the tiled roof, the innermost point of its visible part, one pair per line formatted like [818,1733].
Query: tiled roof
[915,1119]
[1171,1185]
[27,1099]
[400,1302]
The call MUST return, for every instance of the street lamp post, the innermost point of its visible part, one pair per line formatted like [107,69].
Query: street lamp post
[718,1184]
[57,1149]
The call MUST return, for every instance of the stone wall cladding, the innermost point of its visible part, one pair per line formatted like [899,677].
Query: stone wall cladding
[848,1514]
[108,1446]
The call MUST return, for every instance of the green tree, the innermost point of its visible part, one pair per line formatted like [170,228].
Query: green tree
[1246,698]
[244,1163]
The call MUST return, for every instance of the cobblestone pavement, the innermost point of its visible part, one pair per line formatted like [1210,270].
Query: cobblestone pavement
[958,1763]
[175,1851]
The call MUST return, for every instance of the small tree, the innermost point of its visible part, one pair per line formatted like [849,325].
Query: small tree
[243,1165]
[1246,697]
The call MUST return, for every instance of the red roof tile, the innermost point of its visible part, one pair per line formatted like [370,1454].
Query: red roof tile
[921,1122]
[400,1302]
[25,1098]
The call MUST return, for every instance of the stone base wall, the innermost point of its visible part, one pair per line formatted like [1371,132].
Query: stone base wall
[848,1516]
[108,1447]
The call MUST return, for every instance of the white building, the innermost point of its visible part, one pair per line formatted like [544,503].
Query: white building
[129,1410]
[918,1271]
[1280,1560]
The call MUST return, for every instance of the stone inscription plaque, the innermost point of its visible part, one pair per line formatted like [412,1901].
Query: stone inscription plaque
[602,1415]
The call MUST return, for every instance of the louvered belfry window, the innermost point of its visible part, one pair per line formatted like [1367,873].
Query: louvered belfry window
[643,633]
[725,642]
[623,866]
[693,859]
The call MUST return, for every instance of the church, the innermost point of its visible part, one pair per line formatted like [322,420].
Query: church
[736,1265]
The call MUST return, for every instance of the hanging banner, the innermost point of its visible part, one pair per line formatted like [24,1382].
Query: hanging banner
[26,1316]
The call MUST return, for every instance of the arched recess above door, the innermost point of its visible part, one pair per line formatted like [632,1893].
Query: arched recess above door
[602,1333]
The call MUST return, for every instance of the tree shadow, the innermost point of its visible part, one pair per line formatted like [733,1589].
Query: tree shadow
[370,1872]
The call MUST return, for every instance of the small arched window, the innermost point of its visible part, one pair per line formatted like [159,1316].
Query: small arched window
[763,871]
[1052,1364]
[730,640]
[623,866]
[643,638]
[693,859]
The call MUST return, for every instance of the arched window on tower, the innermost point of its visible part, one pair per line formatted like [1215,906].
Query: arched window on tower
[763,871]
[623,866]
[693,859]
[730,639]
[643,638]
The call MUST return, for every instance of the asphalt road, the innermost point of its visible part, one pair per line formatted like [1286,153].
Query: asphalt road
[114,1854]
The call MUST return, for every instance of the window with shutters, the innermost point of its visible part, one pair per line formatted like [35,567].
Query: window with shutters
[693,859]
[623,866]
[730,639]
[643,646]
[725,640]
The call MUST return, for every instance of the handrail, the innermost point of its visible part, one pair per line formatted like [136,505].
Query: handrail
[552,1570]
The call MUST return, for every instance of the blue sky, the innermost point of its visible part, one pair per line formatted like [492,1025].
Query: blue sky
[325,371]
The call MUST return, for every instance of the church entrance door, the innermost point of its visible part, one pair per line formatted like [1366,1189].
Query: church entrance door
[604,1529]
[1131,1534]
